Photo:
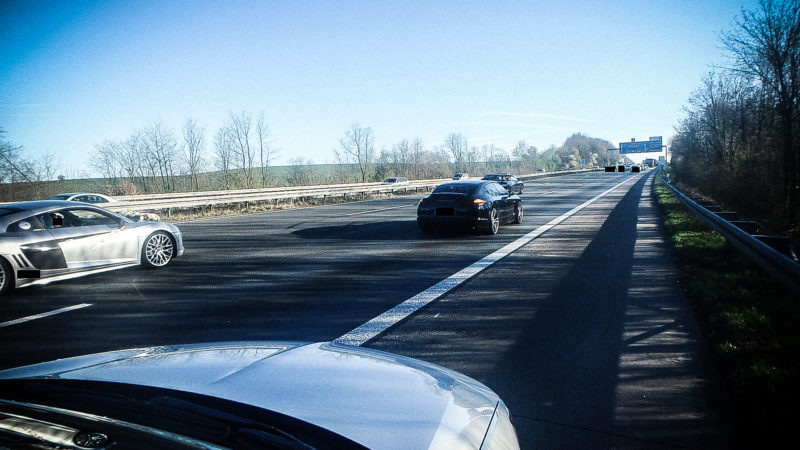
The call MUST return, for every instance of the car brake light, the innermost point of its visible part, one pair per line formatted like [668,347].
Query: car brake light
[479,202]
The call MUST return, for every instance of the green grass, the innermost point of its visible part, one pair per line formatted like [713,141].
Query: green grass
[750,322]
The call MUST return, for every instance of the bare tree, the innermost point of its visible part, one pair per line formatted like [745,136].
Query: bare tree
[240,127]
[13,166]
[299,173]
[224,155]
[358,146]
[160,151]
[766,44]
[194,151]
[106,160]
[265,150]
[417,156]
[16,168]
[457,145]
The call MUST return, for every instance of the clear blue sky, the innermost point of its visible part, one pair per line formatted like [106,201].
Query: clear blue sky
[76,73]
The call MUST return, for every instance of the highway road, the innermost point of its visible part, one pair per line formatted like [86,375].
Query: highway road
[574,317]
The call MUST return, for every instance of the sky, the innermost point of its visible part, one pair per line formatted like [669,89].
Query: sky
[74,74]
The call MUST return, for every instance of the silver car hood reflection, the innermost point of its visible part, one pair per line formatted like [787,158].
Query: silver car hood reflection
[378,399]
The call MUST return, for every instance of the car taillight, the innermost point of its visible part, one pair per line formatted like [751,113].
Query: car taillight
[479,202]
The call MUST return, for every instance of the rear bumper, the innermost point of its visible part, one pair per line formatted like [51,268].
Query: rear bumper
[468,218]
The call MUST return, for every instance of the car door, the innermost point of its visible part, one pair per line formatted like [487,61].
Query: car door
[91,238]
[40,256]
[500,200]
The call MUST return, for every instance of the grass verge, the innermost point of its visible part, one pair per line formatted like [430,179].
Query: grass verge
[750,322]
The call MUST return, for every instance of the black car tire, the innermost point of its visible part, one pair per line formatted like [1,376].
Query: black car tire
[494,222]
[6,276]
[426,228]
[519,213]
[158,250]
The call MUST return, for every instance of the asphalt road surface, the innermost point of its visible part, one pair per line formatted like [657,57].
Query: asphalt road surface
[574,317]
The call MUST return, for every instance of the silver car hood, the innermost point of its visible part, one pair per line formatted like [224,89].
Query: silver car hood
[378,399]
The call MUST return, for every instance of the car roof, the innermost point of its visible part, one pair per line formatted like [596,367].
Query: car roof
[472,181]
[25,209]
[72,194]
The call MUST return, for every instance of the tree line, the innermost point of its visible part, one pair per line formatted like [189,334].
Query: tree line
[740,140]
[240,154]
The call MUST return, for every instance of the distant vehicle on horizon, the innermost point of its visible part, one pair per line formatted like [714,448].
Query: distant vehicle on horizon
[506,180]
[85,197]
[395,180]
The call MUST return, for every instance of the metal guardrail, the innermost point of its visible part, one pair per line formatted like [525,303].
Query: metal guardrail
[168,203]
[778,265]
[149,204]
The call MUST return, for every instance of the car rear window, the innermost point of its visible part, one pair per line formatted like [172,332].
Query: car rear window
[455,188]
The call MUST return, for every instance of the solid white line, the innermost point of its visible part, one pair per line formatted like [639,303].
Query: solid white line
[368,330]
[42,315]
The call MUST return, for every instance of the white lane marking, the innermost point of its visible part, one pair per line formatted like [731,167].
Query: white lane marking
[42,315]
[368,330]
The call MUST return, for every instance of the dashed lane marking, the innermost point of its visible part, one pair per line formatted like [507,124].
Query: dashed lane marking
[43,315]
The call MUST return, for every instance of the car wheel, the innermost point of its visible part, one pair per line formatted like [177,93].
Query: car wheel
[518,213]
[6,276]
[494,222]
[426,228]
[158,250]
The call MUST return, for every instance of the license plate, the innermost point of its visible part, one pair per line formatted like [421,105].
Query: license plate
[445,212]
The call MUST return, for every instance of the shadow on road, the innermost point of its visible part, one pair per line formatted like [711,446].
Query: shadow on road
[390,230]
[592,348]
[395,230]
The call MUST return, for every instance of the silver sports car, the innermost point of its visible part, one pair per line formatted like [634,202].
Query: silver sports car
[249,395]
[51,240]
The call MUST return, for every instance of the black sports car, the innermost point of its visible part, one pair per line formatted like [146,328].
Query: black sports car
[508,181]
[475,204]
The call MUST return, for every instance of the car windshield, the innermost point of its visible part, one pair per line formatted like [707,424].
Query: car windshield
[143,417]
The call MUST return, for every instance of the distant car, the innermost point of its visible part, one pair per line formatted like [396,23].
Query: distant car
[475,204]
[85,197]
[508,181]
[396,181]
[541,170]
[249,395]
[52,240]
[461,176]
